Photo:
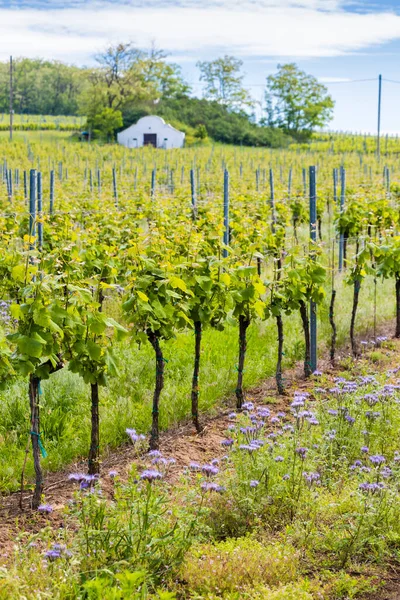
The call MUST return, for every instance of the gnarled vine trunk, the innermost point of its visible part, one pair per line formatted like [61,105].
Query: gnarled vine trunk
[93,461]
[243,325]
[306,329]
[195,380]
[155,432]
[34,383]
[356,294]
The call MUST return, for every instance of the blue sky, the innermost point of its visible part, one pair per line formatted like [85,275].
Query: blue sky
[335,40]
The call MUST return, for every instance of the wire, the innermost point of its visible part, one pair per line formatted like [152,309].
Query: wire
[392,81]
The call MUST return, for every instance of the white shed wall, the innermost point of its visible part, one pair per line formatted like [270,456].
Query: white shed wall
[167,136]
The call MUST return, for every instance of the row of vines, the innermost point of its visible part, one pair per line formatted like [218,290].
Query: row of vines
[102,247]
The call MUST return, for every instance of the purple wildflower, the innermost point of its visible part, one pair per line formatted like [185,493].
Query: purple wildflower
[154,453]
[78,477]
[312,478]
[372,487]
[254,483]
[302,452]
[377,459]
[227,442]
[209,470]
[150,475]
[210,486]
[45,508]
[194,466]
[247,447]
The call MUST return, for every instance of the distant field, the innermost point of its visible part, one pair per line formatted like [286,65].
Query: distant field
[48,136]
[32,123]
[42,119]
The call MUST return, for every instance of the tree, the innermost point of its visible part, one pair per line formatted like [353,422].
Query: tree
[224,82]
[106,122]
[128,79]
[162,78]
[296,101]
[117,76]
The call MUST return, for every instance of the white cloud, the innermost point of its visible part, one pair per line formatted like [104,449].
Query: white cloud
[284,28]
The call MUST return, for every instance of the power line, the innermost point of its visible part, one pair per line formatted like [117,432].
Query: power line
[391,80]
[198,84]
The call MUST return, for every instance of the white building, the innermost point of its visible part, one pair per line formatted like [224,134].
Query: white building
[151,131]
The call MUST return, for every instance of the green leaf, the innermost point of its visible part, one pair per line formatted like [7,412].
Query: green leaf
[30,346]
[18,273]
[94,350]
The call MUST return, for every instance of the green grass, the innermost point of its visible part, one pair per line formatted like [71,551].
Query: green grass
[42,119]
[37,136]
[126,402]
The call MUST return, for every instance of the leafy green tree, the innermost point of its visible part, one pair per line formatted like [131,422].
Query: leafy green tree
[201,132]
[224,82]
[43,87]
[127,76]
[106,123]
[296,101]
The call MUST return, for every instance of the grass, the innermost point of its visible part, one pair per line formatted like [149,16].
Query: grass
[38,136]
[126,402]
[42,119]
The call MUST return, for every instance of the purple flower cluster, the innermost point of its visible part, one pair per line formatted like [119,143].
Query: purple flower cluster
[377,459]
[228,442]
[312,478]
[135,437]
[302,452]
[150,475]
[371,487]
[85,481]
[57,551]
[210,486]
[45,508]
[209,470]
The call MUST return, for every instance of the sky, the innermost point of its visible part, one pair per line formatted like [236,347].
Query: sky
[341,42]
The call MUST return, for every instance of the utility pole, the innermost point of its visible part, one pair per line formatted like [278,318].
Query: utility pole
[11,99]
[378,144]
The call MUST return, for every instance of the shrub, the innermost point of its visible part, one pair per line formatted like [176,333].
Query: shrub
[234,565]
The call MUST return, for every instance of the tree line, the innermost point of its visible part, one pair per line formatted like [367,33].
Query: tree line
[127,83]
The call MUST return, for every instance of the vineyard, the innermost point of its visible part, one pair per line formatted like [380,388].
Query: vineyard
[142,290]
